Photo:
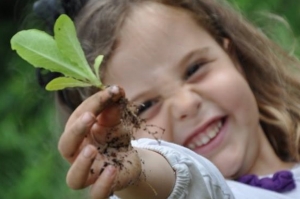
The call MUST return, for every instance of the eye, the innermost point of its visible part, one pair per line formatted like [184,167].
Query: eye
[146,106]
[192,69]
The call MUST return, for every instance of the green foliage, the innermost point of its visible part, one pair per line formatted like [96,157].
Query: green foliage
[278,19]
[62,54]
[30,164]
[31,167]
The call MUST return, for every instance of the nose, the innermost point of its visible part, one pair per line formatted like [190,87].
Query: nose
[185,104]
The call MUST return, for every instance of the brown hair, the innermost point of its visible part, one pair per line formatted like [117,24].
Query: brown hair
[268,69]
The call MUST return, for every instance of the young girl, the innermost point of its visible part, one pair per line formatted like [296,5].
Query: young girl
[213,87]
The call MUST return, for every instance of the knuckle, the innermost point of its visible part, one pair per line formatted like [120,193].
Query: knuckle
[74,184]
[64,154]
[61,147]
[96,194]
[100,100]
[101,96]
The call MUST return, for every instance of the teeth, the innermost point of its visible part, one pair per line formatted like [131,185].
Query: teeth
[199,142]
[212,133]
[205,137]
[191,145]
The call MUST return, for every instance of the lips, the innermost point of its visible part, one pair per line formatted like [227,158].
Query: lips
[204,135]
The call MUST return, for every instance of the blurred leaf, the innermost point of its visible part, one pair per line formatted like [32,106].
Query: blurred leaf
[40,50]
[68,44]
[64,82]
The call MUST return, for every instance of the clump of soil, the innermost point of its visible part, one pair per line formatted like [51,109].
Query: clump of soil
[117,142]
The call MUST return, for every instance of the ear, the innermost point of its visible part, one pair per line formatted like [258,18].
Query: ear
[231,51]
[226,43]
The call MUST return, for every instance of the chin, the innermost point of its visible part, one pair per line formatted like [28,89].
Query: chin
[228,175]
[229,171]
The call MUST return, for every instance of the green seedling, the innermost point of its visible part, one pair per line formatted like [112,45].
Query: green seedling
[61,53]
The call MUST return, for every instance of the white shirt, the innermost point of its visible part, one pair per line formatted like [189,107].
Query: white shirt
[197,177]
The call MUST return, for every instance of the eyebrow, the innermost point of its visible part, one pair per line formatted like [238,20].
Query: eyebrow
[186,58]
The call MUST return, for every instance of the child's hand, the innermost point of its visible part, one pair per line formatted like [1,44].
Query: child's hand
[98,146]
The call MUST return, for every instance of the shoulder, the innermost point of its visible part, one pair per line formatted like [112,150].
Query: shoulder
[296,173]
[243,191]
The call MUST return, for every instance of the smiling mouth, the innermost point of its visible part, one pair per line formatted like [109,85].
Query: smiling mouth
[205,137]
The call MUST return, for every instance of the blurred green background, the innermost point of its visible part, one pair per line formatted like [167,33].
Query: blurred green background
[30,166]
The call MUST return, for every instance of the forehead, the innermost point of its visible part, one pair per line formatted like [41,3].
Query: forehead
[153,18]
[153,38]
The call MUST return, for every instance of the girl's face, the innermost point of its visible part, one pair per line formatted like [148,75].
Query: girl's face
[189,86]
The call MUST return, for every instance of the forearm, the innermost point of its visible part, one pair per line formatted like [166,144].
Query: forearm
[156,181]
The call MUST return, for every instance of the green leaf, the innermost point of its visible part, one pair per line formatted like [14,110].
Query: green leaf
[97,64]
[61,53]
[65,82]
[68,44]
[40,50]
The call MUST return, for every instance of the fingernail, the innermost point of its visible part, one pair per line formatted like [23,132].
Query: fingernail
[87,118]
[114,89]
[111,170]
[88,152]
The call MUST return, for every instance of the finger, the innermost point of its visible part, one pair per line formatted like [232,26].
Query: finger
[80,169]
[110,116]
[73,136]
[106,121]
[97,102]
[104,185]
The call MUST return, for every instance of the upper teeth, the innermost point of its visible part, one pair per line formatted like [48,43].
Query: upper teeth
[205,137]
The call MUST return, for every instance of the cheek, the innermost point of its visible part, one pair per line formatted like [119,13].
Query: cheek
[155,131]
[231,91]
[228,166]
[142,133]
[156,128]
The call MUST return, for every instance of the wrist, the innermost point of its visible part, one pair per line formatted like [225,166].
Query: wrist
[150,183]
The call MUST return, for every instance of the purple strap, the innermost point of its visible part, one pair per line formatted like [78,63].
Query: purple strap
[281,181]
